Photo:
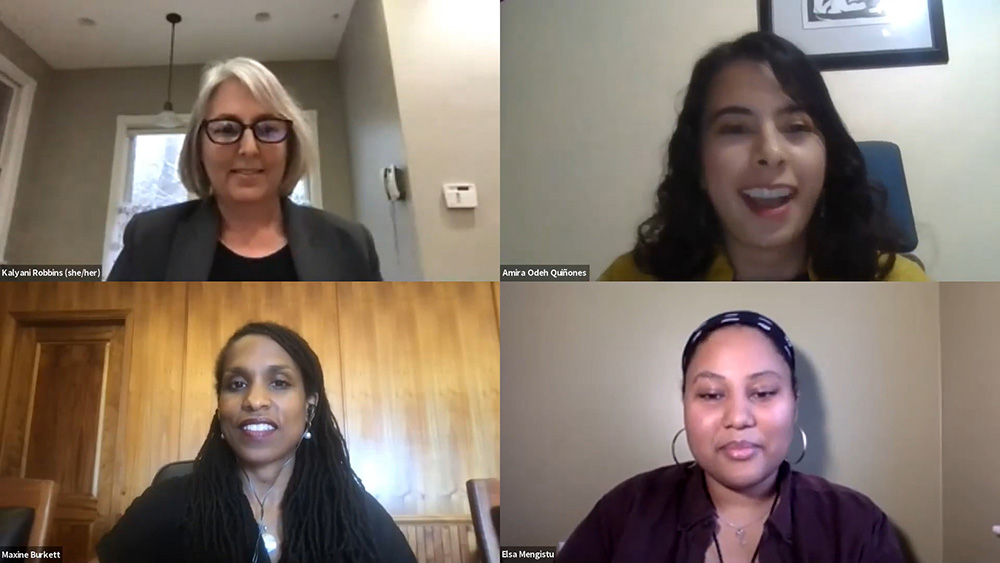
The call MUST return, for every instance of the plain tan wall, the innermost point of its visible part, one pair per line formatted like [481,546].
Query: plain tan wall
[591,393]
[591,91]
[375,134]
[61,208]
[446,64]
[971,417]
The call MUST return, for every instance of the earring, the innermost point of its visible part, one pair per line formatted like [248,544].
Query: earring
[221,434]
[805,446]
[673,445]
[308,435]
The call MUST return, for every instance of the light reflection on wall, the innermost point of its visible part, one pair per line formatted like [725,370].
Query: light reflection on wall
[375,473]
[476,21]
[903,12]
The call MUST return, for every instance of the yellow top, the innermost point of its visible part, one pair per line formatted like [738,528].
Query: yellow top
[624,269]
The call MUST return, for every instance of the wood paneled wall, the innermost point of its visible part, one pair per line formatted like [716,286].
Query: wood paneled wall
[154,374]
[410,355]
[441,540]
[412,371]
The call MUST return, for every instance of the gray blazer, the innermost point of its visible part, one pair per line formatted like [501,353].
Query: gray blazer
[178,242]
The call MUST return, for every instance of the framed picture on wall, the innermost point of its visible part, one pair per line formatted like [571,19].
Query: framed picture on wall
[855,34]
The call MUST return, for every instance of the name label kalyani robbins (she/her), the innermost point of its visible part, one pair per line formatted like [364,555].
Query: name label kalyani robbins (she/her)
[43,272]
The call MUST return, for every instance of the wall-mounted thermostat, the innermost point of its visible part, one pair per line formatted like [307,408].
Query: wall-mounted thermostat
[460,196]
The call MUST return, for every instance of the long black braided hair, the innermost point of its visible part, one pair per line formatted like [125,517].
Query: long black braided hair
[324,516]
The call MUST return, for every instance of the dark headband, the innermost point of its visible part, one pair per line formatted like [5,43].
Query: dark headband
[769,328]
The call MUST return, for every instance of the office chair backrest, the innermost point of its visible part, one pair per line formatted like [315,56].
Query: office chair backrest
[37,495]
[15,526]
[885,166]
[174,469]
[484,502]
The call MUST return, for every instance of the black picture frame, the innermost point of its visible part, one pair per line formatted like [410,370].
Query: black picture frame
[934,55]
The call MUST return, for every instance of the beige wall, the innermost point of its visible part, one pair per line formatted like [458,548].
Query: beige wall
[591,90]
[376,139]
[446,64]
[971,417]
[591,393]
[61,208]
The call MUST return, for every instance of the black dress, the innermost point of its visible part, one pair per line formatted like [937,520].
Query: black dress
[152,527]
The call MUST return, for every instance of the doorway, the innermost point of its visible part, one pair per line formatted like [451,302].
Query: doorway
[17,93]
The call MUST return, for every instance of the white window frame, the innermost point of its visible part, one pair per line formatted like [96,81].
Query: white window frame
[15,136]
[129,125]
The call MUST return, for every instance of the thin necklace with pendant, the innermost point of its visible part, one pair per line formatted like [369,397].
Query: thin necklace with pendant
[741,531]
[270,541]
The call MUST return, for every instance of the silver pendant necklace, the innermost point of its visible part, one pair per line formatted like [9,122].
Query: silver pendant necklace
[741,531]
[270,541]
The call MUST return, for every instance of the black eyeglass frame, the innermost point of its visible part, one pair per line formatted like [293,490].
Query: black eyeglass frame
[245,126]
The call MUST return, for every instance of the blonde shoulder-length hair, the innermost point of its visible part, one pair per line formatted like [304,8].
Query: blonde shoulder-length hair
[266,89]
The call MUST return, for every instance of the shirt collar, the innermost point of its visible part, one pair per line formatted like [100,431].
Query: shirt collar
[697,507]
[781,518]
[722,270]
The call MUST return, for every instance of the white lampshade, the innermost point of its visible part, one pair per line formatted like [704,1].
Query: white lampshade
[168,120]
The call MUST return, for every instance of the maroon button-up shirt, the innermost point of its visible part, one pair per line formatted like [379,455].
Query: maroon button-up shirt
[666,516]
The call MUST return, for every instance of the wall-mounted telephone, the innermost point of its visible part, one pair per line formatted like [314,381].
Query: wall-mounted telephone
[392,179]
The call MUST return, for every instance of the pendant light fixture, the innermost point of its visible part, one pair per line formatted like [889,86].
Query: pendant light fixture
[167,118]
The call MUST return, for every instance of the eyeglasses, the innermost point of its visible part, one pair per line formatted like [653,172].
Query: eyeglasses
[229,131]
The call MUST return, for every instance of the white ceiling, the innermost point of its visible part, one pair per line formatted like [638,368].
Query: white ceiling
[136,32]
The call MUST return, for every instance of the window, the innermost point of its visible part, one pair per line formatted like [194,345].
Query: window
[145,177]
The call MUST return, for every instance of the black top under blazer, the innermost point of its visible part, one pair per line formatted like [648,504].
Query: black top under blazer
[178,242]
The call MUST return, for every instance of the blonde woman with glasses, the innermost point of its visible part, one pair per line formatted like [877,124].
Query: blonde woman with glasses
[247,146]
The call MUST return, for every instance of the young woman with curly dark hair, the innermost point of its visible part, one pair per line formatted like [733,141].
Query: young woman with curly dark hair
[763,181]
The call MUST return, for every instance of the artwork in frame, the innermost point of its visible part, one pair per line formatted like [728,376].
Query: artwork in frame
[856,34]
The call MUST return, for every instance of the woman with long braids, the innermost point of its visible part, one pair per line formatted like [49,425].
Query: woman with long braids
[273,480]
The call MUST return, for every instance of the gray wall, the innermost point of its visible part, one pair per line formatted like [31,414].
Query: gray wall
[591,393]
[22,55]
[376,138]
[27,60]
[971,417]
[62,201]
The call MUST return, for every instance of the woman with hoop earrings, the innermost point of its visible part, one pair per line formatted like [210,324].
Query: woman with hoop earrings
[739,500]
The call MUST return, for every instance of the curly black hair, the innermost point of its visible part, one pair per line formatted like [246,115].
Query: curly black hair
[323,506]
[852,239]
